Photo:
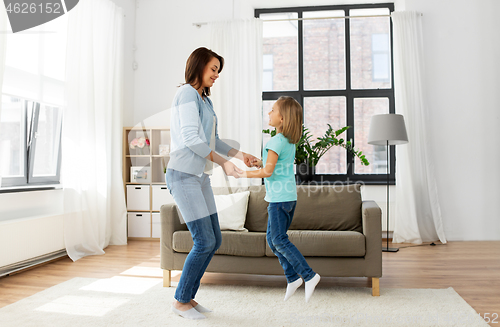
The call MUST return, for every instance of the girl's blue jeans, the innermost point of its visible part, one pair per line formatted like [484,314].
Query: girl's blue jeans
[290,258]
[193,195]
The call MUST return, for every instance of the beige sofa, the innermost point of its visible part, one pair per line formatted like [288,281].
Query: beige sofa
[338,234]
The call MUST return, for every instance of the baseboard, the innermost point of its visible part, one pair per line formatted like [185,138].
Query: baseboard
[31,263]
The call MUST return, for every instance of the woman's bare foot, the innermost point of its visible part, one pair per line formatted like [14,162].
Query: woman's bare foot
[182,306]
[193,303]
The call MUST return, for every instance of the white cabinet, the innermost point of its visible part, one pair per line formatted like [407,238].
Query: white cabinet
[147,149]
[139,224]
[138,197]
[156,227]
[161,196]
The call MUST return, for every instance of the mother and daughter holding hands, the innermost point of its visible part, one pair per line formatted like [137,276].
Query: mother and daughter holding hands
[194,146]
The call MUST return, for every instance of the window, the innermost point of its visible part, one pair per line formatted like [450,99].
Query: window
[381,58]
[30,133]
[32,102]
[340,70]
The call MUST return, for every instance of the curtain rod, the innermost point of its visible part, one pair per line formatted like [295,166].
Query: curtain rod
[311,18]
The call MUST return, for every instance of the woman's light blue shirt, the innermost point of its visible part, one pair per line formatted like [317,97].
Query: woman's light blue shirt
[191,121]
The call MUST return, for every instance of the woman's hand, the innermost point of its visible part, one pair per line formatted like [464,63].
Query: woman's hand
[230,169]
[243,174]
[249,160]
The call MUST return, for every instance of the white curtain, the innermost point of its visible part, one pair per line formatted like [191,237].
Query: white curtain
[418,214]
[3,40]
[237,94]
[94,203]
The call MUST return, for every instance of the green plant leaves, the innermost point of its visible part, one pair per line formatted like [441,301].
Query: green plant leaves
[267,131]
[305,152]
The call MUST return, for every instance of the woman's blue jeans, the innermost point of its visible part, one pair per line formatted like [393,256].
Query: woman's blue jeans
[195,200]
[290,258]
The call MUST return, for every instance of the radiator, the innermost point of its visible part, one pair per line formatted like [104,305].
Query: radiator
[27,241]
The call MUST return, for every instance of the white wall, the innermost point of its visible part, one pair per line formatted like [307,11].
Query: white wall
[165,37]
[462,82]
[29,204]
[461,49]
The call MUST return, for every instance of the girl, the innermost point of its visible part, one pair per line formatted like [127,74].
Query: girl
[195,140]
[281,193]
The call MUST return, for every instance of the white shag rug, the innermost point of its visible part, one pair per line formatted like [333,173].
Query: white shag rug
[134,301]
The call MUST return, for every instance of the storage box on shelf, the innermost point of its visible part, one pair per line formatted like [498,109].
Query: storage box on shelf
[145,156]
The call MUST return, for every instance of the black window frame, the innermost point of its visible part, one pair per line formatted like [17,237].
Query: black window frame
[349,93]
[29,182]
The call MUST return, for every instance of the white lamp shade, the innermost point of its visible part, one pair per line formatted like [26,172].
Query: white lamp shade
[387,127]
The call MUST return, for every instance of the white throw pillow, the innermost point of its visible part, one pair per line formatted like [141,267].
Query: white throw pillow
[232,210]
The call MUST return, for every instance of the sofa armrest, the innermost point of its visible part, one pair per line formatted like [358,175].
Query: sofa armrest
[169,219]
[371,216]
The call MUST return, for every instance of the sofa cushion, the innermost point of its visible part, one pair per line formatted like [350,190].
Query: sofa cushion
[256,219]
[318,207]
[316,243]
[233,243]
[333,208]
[257,209]
[232,210]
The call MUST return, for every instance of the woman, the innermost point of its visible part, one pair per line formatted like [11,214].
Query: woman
[194,143]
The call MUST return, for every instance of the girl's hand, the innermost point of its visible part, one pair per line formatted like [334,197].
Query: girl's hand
[230,169]
[257,163]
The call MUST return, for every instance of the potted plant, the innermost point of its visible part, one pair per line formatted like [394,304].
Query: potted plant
[308,154]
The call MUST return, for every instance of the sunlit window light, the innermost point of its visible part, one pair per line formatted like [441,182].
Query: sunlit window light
[83,305]
[122,285]
[143,271]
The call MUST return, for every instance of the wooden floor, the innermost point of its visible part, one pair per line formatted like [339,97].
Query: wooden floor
[471,268]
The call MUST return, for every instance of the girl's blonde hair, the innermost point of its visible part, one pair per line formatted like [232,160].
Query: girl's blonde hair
[291,111]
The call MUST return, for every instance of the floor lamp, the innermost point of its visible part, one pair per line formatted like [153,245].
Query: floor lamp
[387,129]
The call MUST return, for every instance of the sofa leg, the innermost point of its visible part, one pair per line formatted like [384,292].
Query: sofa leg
[375,287]
[167,275]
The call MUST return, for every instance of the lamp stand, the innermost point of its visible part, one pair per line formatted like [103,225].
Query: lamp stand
[387,248]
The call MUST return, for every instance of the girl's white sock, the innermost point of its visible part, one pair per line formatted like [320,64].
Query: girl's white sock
[311,285]
[292,287]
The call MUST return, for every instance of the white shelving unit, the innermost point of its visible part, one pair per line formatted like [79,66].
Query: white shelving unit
[145,197]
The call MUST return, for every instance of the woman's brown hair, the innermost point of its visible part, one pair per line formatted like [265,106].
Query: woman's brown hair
[291,111]
[195,66]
